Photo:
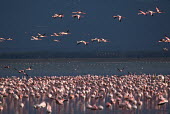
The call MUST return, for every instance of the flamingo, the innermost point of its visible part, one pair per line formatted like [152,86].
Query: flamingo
[151,12]
[7,66]
[108,104]
[56,40]
[1,108]
[120,70]
[158,11]
[139,102]
[9,39]
[142,12]
[162,40]
[43,104]
[29,68]
[96,39]
[103,40]
[21,105]
[82,41]
[165,49]
[60,101]
[21,71]
[89,106]
[163,102]
[94,107]
[58,15]
[35,38]
[41,35]
[79,12]
[167,38]
[77,16]
[2,39]
[71,96]
[64,33]
[56,34]
[49,109]
[119,17]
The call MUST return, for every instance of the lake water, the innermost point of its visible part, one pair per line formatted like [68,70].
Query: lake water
[73,67]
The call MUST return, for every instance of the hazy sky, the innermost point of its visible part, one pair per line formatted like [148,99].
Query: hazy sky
[20,19]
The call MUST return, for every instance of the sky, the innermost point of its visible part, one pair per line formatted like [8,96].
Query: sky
[21,19]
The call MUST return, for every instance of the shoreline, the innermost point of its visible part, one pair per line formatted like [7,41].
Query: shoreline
[95,59]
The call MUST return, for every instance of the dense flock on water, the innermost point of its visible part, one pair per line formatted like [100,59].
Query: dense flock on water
[128,92]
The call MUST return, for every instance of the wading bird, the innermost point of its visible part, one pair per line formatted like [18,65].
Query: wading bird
[21,71]
[165,49]
[7,66]
[120,70]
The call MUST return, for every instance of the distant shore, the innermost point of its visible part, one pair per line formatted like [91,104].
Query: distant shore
[94,59]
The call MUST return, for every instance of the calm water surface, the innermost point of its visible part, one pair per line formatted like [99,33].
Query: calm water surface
[60,67]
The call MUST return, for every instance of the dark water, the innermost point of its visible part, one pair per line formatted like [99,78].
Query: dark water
[73,67]
[60,67]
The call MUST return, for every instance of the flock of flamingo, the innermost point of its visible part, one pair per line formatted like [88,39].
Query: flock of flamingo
[79,15]
[128,92]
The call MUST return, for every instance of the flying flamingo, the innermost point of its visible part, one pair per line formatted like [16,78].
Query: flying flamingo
[56,40]
[103,40]
[29,68]
[41,35]
[77,16]
[9,39]
[58,15]
[79,12]
[119,17]
[82,41]
[151,12]
[64,33]
[35,38]
[55,34]
[158,11]
[167,38]
[95,39]
[142,12]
